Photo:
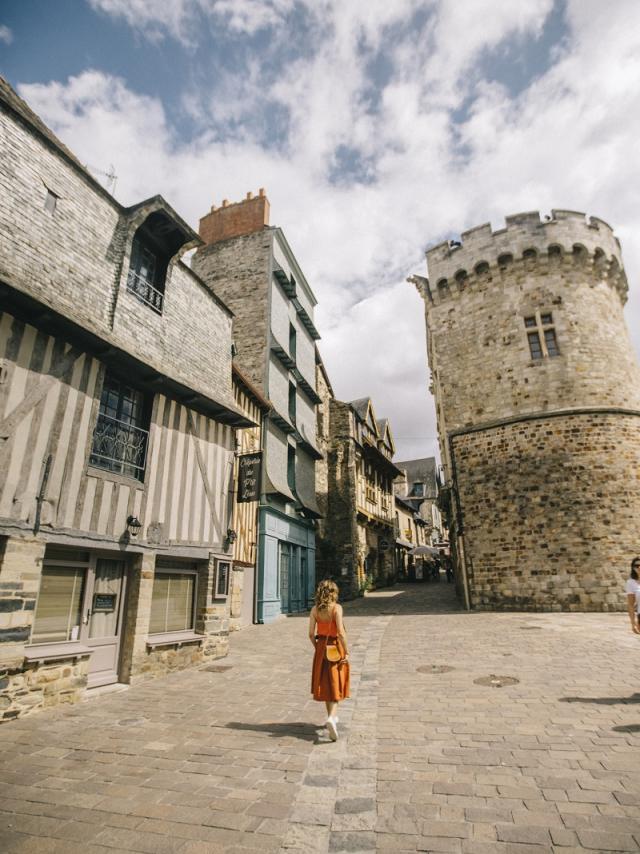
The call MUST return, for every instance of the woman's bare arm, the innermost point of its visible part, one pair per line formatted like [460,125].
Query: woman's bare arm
[342,634]
[312,626]
[631,608]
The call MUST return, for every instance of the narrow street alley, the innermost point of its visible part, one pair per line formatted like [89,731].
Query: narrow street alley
[466,732]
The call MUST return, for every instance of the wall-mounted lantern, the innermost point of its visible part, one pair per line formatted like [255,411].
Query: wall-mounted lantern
[133,526]
[230,539]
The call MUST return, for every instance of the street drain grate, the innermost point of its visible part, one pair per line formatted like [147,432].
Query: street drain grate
[132,722]
[218,668]
[435,668]
[494,681]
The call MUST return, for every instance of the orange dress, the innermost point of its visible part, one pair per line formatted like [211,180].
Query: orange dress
[329,680]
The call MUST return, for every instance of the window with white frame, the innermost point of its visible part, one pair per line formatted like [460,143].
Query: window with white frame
[223,575]
[173,600]
[58,613]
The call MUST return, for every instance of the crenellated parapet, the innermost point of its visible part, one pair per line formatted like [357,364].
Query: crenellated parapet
[566,242]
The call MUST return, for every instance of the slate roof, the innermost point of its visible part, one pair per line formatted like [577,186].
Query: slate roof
[360,407]
[14,102]
[421,471]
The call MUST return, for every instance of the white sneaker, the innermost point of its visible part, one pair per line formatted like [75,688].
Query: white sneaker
[332,727]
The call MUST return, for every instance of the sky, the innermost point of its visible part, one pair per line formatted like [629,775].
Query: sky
[377,129]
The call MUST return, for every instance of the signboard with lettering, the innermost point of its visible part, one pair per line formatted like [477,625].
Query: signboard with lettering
[249,477]
[104,602]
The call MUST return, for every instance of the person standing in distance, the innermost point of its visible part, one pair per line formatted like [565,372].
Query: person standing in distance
[330,671]
[632,589]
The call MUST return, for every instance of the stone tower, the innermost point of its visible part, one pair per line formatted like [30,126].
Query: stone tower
[537,392]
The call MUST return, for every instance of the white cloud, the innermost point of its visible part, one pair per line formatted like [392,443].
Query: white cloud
[568,141]
[179,18]
[6,35]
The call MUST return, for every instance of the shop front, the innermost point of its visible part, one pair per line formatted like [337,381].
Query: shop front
[96,617]
[286,578]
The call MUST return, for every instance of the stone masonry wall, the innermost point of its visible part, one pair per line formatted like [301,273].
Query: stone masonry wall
[212,622]
[239,271]
[550,509]
[76,260]
[42,685]
[20,572]
[341,525]
[547,496]
[481,364]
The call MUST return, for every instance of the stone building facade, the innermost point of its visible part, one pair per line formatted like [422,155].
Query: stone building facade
[419,485]
[358,531]
[117,423]
[537,393]
[411,531]
[252,267]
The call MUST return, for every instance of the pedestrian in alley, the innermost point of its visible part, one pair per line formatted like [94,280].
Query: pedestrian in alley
[632,589]
[330,672]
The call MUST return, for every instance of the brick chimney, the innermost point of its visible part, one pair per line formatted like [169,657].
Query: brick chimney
[234,220]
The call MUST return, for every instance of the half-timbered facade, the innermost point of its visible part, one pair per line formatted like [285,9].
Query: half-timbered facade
[360,526]
[117,432]
[248,468]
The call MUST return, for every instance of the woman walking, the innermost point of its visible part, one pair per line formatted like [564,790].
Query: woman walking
[330,672]
[632,589]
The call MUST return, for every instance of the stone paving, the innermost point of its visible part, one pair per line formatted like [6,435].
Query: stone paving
[237,760]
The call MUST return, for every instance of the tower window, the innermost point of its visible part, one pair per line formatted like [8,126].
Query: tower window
[550,342]
[542,337]
[534,345]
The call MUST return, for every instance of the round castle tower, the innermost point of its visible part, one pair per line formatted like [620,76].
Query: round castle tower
[537,394]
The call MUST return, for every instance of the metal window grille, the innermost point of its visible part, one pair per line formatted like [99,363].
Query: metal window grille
[119,447]
[142,288]
[120,440]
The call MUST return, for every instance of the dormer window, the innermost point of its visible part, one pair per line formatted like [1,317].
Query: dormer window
[154,244]
[147,273]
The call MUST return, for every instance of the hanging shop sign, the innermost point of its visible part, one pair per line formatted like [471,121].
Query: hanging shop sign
[249,477]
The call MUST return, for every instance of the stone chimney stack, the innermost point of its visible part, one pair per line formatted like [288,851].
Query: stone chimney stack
[235,220]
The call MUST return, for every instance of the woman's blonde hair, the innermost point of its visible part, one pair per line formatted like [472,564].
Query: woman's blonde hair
[326,594]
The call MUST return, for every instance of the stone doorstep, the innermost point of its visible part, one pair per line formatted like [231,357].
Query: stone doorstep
[101,690]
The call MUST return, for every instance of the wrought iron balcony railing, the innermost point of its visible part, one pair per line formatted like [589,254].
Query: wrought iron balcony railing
[145,291]
[119,447]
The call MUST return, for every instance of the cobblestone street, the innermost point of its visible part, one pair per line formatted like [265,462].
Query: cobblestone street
[234,758]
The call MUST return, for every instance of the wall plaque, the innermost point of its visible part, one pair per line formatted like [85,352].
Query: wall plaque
[249,477]
[104,602]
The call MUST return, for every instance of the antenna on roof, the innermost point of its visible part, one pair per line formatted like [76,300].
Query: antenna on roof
[110,176]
